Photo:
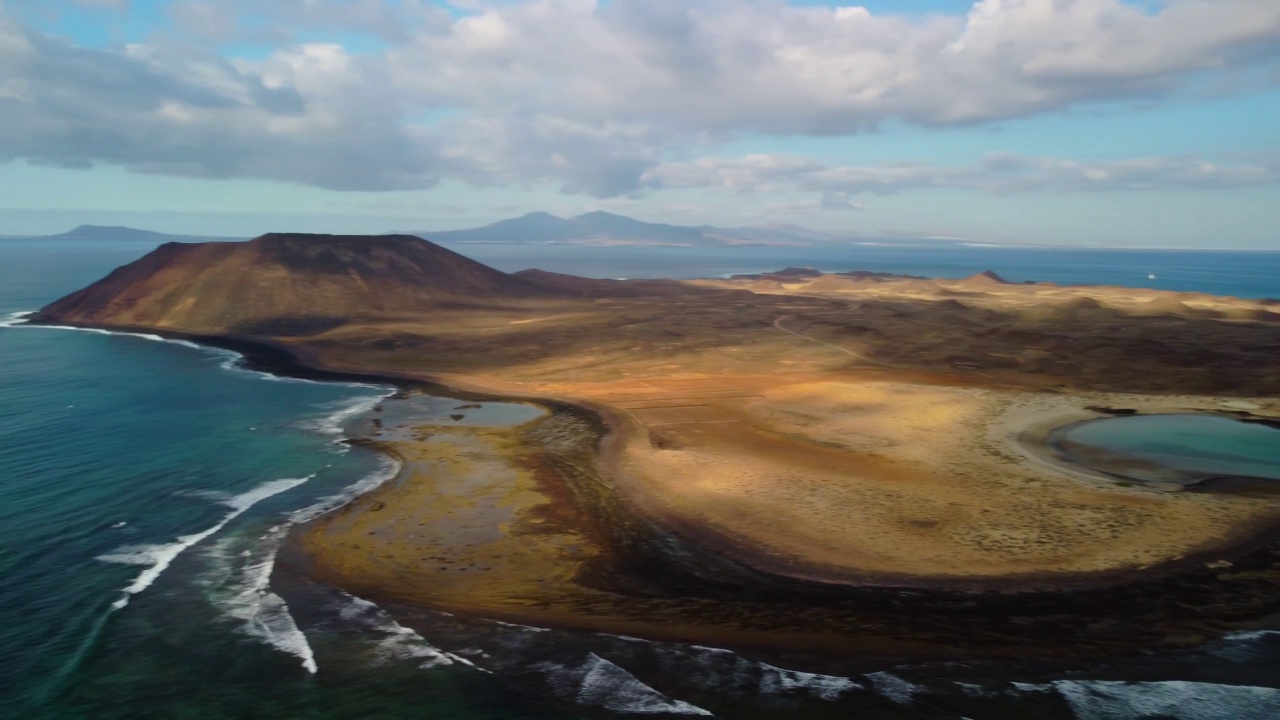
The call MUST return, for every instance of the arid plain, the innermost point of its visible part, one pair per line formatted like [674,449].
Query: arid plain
[786,460]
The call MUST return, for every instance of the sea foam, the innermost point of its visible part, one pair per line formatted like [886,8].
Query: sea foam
[333,424]
[15,319]
[776,680]
[895,688]
[157,558]
[243,594]
[598,682]
[1246,647]
[397,643]
[388,468]
[1099,700]
[235,362]
[242,582]
[232,361]
[98,331]
[720,669]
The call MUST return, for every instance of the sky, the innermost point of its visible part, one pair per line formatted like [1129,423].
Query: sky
[1152,123]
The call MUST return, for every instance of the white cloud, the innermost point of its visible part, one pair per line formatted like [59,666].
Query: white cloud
[309,115]
[997,173]
[593,96]
[730,65]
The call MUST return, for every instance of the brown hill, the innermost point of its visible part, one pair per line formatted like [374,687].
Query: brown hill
[986,277]
[281,284]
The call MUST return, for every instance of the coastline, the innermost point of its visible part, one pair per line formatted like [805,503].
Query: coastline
[878,599]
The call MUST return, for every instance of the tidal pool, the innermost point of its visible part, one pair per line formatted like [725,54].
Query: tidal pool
[1173,449]
[401,417]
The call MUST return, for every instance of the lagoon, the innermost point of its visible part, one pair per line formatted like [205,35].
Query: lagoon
[1177,448]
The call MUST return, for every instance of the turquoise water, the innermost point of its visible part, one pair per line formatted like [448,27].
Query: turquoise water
[145,488]
[1200,445]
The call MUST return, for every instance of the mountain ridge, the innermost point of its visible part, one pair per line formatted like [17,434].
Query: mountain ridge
[605,228]
[598,227]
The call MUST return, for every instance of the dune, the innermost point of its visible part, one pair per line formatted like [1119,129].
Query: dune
[826,283]
[1164,306]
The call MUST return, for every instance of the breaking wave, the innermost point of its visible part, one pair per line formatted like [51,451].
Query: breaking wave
[157,558]
[895,688]
[600,683]
[396,643]
[334,423]
[776,680]
[244,595]
[1244,647]
[720,669]
[1178,700]
[15,319]
[242,581]
[232,361]
[18,320]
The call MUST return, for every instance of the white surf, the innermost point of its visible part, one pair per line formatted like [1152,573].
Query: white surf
[158,558]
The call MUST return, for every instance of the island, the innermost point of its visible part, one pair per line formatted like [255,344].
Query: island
[798,462]
[121,233]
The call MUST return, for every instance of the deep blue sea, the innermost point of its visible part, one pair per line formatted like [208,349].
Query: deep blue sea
[146,485]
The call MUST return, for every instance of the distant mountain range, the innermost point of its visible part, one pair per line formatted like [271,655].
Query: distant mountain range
[596,228]
[602,228]
[593,228]
[120,233]
[104,232]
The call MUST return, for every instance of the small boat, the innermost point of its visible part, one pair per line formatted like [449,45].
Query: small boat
[1151,276]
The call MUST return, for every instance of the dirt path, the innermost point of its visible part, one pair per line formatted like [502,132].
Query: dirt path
[862,358]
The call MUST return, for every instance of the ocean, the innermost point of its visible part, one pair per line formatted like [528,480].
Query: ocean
[1246,274]
[146,486]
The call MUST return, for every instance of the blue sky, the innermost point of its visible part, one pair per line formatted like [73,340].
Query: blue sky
[1087,122]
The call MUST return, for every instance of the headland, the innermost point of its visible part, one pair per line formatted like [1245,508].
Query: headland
[799,461]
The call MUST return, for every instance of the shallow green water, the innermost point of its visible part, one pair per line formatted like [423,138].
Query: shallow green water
[1198,445]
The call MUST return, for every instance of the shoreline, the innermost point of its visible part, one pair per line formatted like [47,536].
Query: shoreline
[278,359]
[994,595]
